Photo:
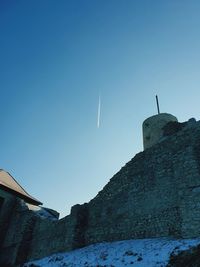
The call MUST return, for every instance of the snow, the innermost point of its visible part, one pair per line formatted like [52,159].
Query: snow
[41,212]
[137,253]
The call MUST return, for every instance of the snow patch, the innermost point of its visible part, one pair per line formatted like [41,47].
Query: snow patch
[137,253]
[42,212]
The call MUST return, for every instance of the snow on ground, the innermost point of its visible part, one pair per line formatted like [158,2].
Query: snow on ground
[137,253]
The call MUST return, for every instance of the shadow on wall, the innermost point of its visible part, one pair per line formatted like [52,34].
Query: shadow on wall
[81,214]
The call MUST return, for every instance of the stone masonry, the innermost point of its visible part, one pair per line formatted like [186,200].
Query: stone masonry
[156,194]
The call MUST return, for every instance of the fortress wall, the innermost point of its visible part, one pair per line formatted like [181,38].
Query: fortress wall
[156,194]
[6,212]
[6,209]
[51,237]
[151,196]
[62,235]
[17,240]
[190,198]
[143,206]
[31,237]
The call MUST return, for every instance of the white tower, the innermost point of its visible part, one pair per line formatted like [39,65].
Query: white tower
[153,128]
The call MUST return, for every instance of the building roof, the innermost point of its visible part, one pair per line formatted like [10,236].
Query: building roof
[9,184]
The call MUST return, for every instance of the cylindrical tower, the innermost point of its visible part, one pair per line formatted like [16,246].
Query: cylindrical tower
[153,128]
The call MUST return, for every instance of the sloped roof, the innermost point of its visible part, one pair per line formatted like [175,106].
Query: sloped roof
[8,183]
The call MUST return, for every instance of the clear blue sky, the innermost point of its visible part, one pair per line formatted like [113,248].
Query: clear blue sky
[55,57]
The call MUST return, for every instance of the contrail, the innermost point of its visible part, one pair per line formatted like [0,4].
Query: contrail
[99,112]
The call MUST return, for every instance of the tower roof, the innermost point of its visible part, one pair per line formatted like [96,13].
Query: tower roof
[9,184]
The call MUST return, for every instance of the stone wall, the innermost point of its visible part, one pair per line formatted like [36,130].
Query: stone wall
[156,194]
[16,227]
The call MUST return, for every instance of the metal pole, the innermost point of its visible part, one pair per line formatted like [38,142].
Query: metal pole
[157,104]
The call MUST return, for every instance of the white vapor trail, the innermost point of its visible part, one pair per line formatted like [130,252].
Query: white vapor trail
[99,112]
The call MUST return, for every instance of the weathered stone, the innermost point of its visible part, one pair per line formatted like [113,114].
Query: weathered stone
[187,258]
[156,194]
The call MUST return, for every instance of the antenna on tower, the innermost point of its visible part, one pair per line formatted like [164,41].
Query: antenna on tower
[158,108]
